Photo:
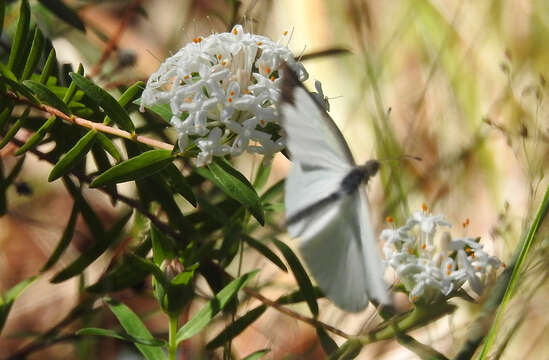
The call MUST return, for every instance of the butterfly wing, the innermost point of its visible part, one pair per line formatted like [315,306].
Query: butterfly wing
[337,243]
[313,138]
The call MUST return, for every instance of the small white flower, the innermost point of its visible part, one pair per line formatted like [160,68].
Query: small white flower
[431,271]
[226,82]
[211,146]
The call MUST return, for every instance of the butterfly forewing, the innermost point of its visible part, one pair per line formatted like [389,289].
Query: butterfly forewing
[336,240]
[313,137]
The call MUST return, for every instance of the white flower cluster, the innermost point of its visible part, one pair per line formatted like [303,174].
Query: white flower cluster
[430,272]
[223,91]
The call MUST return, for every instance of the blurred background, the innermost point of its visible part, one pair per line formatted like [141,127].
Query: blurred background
[460,84]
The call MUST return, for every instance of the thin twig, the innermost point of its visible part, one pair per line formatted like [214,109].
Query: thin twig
[93,125]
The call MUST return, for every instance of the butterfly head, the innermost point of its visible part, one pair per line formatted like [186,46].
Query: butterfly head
[370,168]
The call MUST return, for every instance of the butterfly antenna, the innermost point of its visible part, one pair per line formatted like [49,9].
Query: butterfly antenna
[401,157]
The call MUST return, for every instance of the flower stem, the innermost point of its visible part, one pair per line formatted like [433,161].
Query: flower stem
[172,345]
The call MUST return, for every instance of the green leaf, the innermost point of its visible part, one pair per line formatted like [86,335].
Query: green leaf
[37,136]
[7,299]
[162,110]
[127,97]
[177,182]
[327,343]
[64,241]
[212,307]
[423,351]
[15,171]
[236,327]
[2,14]
[109,146]
[74,156]
[257,354]
[150,267]
[103,164]
[265,251]
[121,336]
[127,274]
[235,185]
[135,328]
[48,66]
[47,96]
[22,90]
[262,175]
[90,217]
[64,13]
[273,192]
[297,296]
[34,53]
[113,109]
[18,45]
[14,129]
[300,275]
[135,168]
[163,248]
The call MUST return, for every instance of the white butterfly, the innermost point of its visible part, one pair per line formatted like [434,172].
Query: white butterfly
[326,206]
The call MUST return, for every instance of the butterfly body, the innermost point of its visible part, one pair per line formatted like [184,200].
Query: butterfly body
[326,207]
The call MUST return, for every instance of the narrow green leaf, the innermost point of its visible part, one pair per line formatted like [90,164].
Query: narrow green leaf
[14,129]
[256,355]
[91,254]
[212,307]
[113,109]
[144,264]
[235,185]
[7,299]
[64,13]
[37,136]
[127,97]
[164,196]
[162,247]
[34,55]
[48,66]
[162,110]
[64,241]
[121,336]
[517,265]
[22,90]
[103,164]
[5,113]
[18,45]
[297,296]
[70,93]
[127,274]
[15,171]
[265,251]
[109,146]
[327,343]
[262,175]
[273,192]
[423,351]
[74,156]
[6,72]
[135,328]
[236,327]
[135,168]
[300,275]
[177,182]
[47,96]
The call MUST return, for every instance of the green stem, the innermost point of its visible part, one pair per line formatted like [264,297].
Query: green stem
[172,344]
